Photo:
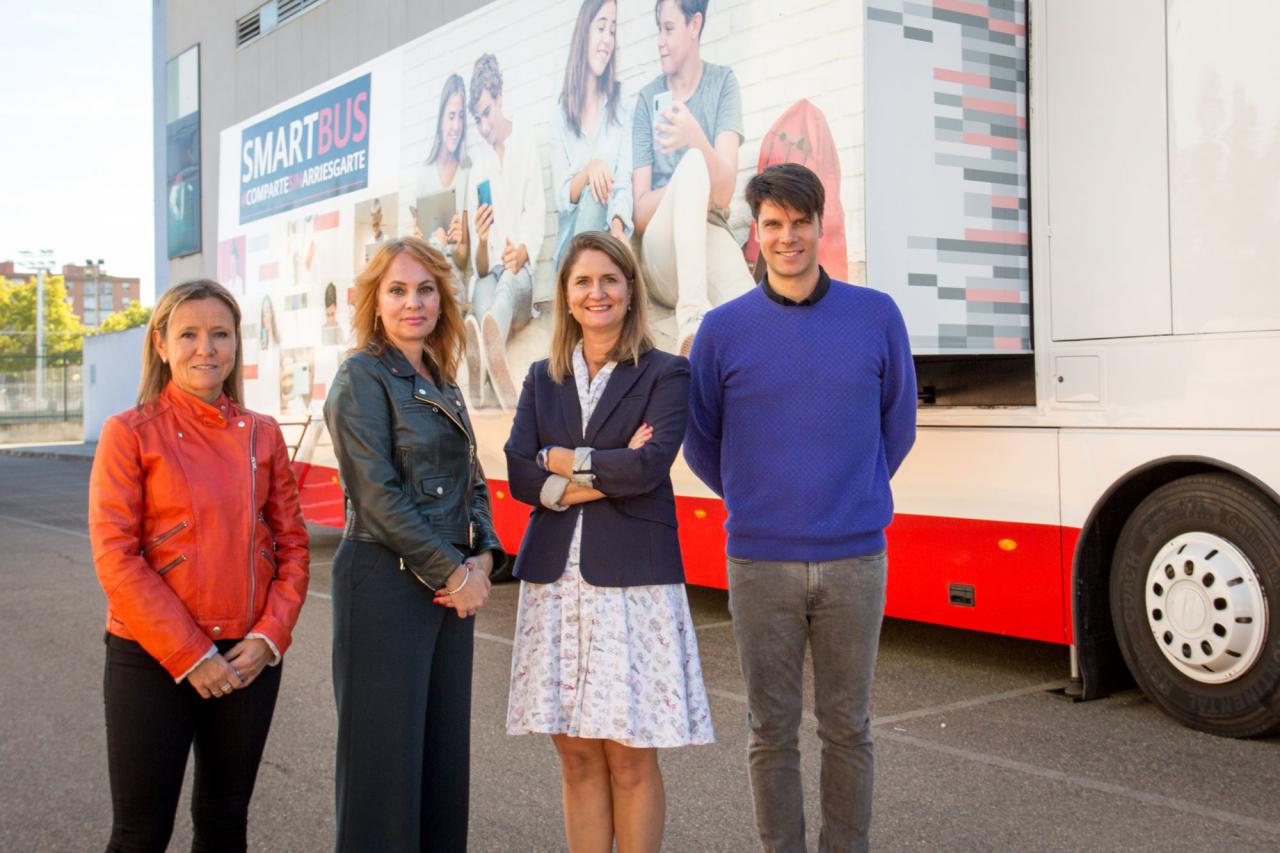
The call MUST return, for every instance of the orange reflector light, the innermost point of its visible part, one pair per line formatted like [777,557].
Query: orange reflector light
[500,495]
[699,513]
[1007,545]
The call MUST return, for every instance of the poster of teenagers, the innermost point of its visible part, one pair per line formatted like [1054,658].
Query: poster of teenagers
[409,143]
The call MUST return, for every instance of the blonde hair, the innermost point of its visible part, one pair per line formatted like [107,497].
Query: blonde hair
[155,372]
[634,340]
[444,345]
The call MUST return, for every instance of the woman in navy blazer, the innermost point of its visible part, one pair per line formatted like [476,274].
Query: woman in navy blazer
[605,658]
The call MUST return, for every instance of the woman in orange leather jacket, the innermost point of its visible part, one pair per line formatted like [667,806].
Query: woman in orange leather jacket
[200,546]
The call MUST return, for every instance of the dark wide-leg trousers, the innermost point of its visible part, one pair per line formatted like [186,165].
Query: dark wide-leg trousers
[152,724]
[402,681]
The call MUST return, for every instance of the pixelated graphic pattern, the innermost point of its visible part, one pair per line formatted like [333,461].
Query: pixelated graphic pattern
[966,228]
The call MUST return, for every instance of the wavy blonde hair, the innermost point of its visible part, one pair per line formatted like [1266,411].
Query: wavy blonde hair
[444,345]
[155,372]
[635,339]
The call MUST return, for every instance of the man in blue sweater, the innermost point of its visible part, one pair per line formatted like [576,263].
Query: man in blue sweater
[802,406]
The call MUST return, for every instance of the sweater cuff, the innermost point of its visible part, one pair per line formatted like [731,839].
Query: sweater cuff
[553,491]
[582,475]
[275,651]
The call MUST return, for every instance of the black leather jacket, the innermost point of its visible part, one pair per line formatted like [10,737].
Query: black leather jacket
[407,457]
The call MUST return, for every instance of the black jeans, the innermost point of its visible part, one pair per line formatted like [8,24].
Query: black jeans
[152,724]
[402,680]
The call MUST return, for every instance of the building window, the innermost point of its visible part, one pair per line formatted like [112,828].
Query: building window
[267,17]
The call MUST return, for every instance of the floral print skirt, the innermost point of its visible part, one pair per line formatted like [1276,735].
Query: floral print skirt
[619,663]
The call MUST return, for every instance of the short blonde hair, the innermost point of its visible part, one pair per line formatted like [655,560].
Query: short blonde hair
[155,372]
[445,343]
[635,339]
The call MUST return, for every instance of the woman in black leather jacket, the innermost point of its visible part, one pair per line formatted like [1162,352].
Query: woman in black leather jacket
[414,562]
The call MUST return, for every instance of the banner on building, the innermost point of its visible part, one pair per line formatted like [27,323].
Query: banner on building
[182,152]
[307,153]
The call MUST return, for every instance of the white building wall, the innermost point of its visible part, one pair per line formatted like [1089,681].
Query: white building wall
[112,365]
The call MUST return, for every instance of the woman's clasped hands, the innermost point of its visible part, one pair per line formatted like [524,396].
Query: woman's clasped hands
[467,589]
[218,676]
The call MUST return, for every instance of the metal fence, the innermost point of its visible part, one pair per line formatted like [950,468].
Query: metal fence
[41,388]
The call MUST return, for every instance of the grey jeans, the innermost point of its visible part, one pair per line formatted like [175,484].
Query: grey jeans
[836,607]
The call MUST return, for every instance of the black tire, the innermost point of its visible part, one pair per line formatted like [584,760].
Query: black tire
[1212,507]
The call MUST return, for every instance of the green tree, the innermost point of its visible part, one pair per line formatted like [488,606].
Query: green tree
[64,333]
[135,315]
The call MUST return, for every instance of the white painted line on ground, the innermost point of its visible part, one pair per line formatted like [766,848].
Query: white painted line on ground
[1173,803]
[326,596]
[494,638]
[964,704]
[709,625]
[79,533]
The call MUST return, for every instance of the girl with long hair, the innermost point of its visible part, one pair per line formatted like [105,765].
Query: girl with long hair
[589,137]
[445,170]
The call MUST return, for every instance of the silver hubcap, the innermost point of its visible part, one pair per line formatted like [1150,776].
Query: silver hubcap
[1206,608]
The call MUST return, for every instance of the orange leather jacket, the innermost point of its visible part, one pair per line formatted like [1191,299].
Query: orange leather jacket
[196,529]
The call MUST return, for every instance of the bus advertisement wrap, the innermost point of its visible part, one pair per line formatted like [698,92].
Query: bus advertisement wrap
[480,111]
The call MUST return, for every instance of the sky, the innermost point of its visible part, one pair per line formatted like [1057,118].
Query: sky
[76,133]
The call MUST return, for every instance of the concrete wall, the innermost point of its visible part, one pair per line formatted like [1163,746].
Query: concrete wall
[235,83]
[112,366]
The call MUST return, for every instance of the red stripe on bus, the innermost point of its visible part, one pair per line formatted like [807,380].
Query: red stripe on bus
[1018,573]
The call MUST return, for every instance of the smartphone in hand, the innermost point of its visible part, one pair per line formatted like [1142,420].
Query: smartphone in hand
[661,104]
[483,195]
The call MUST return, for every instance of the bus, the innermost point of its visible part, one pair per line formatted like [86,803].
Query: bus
[1072,201]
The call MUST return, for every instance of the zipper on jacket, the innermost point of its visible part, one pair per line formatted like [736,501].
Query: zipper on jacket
[182,558]
[263,518]
[253,511]
[471,465]
[471,471]
[163,537]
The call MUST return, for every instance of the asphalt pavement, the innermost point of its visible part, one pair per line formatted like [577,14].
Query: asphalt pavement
[975,750]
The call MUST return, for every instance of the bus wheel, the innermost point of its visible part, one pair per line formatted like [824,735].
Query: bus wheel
[1195,599]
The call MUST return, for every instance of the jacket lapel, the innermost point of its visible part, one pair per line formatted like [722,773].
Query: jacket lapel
[624,376]
[570,407]
[448,398]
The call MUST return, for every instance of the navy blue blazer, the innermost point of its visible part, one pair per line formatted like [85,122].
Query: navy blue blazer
[628,538]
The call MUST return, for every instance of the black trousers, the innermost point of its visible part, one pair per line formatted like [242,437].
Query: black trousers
[402,681]
[152,724]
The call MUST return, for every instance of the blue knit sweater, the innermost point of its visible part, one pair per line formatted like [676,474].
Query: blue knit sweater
[798,417]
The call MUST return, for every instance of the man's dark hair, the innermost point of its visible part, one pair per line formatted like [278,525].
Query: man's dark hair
[787,185]
[688,8]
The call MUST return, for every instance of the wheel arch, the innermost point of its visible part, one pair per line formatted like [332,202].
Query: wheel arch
[1102,667]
